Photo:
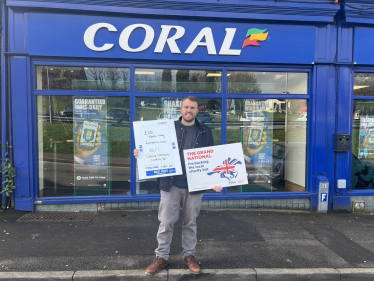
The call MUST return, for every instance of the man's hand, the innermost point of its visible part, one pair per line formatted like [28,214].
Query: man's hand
[136,153]
[250,151]
[217,188]
[83,153]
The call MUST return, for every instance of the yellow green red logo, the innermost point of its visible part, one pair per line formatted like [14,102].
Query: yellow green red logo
[254,35]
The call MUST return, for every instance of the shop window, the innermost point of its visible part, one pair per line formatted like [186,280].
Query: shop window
[267,82]
[273,133]
[363,144]
[82,78]
[363,84]
[178,80]
[150,108]
[83,145]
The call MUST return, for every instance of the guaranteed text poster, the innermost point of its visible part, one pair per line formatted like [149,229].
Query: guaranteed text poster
[366,141]
[90,143]
[258,137]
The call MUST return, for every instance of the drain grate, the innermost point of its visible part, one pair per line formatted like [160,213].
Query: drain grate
[57,216]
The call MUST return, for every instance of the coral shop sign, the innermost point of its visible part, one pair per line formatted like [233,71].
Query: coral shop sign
[172,39]
[170,34]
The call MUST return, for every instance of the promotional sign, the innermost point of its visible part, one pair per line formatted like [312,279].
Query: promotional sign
[158,149]
[168,39]
[171,108]
[257,138]
[220,165]
[90,143]
[366,141]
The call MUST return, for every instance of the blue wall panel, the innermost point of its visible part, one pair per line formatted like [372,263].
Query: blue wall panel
[344,125]
[62,35]
[21,131]
[345,44]
[325,44]
[18,32]
[321,121]
[363,45]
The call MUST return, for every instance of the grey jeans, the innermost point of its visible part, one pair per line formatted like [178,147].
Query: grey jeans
[168,214]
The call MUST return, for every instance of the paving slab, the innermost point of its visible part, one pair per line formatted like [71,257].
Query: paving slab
[239,274]
[297,274]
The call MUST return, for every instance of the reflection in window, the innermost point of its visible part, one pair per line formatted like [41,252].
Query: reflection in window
[363,84]
[178,80]
[362,176]
[83,145]
[267,82]
[273,133]
[82,78]
[150,108]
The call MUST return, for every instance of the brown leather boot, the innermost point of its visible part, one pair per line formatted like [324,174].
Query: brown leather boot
[192,264]
[155,266]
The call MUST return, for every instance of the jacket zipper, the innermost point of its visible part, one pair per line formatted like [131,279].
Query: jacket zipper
[180,140]
[196,139]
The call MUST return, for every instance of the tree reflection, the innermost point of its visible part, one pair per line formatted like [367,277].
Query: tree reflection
[181,80]
[242,82]
[99,78]
[84,78]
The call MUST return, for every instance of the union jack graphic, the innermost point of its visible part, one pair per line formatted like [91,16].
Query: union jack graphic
[227,169]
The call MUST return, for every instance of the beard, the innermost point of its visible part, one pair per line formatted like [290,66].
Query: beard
[188,120]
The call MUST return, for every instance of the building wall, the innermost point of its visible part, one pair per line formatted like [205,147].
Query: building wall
[329,59]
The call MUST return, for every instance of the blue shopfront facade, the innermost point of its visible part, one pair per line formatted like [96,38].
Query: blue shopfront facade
[291,70]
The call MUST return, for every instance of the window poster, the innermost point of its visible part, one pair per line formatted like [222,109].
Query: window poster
[257,138]
[171,108]
[366,138]
[90,143]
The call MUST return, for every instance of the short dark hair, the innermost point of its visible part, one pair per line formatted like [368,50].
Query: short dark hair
[191,98]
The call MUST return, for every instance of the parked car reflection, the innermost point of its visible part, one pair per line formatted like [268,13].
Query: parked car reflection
[118,116]
[204,117]
[253,117]
[272,170]
[68,111]
[362,173]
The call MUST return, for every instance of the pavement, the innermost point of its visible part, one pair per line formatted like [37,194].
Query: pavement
[232,245]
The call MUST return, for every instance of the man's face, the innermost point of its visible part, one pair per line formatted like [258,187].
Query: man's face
[189,111]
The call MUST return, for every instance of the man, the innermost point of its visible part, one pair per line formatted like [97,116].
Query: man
[174,192]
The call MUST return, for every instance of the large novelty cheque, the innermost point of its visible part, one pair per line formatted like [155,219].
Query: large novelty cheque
[158,149]
[220,165]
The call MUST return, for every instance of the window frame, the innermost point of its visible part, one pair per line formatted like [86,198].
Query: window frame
[357,192]
[133,94]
